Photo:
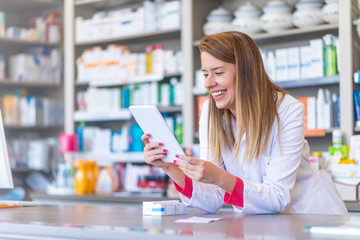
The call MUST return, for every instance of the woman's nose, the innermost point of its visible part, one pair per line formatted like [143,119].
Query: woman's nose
[209,82]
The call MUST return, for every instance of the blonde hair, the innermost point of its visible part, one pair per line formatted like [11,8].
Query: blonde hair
[257,98]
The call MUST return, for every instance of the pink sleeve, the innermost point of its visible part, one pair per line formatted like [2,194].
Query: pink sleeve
[188,187]
[236,197]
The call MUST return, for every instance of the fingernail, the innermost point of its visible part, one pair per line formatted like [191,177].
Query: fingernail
[164,154]
[177,165]
[164,150]
[174,161]
[160,144]
[148,135]
[177,155]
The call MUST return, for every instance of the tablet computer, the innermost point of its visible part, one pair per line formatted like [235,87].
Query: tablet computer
[151,121]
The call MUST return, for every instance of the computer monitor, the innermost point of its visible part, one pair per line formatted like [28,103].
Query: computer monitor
[6,180]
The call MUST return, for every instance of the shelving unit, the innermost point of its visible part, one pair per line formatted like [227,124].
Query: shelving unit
[18,14]
[135,42]
[343,82]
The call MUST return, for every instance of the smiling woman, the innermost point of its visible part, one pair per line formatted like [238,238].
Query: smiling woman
[253,154]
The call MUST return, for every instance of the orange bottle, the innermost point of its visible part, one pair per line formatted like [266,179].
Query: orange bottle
[90,177]
[80,179]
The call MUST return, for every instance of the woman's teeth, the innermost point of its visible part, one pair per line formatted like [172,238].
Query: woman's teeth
[218,93]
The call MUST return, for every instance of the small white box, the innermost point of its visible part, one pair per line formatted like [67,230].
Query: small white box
[281,64]
[317,58]
[305,62]
[161,208]
[293,57]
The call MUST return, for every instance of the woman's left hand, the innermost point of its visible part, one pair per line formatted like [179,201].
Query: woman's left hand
[197,169]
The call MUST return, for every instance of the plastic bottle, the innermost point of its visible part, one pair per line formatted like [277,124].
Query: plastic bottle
[90,187]
[80,179]
[330,65]
[179,129]
[149,59]
[320,102]
[158,59]
[107,182]
[328,108]
[337,138]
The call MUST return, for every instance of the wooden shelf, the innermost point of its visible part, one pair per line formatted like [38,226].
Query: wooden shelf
[285,34]
[12,83]
[135,38]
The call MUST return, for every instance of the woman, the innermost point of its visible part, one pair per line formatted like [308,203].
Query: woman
[253,154]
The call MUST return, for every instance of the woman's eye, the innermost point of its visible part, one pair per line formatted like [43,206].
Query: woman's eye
[218,73]
[205,75]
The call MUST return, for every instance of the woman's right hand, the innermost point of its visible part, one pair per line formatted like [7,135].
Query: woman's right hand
[153,152]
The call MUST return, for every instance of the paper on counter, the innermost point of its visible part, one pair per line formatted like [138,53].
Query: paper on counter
[197,220]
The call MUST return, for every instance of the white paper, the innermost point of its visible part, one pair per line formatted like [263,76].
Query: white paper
[197,220]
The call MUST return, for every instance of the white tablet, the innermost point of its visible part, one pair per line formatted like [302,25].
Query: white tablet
[151,121]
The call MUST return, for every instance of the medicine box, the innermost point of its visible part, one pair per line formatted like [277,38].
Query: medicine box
[161,208]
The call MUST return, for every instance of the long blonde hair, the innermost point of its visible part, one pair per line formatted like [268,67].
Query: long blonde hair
[257,97]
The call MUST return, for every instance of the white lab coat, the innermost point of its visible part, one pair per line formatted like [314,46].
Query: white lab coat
[276,182]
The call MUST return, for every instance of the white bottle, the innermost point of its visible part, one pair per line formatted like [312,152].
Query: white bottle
[158,59]
[328,115]
[320,102]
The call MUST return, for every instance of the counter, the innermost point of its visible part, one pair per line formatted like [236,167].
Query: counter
[127,222]
[93,199]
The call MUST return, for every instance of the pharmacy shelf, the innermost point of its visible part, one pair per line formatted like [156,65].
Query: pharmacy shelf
[122,115]
[170,109]
[28,5]
[294,32]
[117,82]
[15,84]
[104,159]
[310,82]
[83,116]
[14,43]
[135,38]
[32,128]
[320,132]
[132,80]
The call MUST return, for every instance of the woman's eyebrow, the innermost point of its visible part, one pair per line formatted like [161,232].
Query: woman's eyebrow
[212,69]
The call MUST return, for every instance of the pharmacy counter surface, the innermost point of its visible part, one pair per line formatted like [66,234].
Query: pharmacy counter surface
[127,222]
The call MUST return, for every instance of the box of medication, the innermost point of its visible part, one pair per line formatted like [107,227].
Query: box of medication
[161,208]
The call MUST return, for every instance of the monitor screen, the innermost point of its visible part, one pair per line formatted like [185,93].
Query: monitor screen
[6,180]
